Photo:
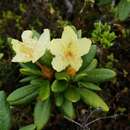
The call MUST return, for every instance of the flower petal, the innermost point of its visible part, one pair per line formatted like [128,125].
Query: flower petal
[28,39]
[68,34]
[21,58]
[59,64]
[16,45]
[42,45]
[76,63]
[56,47]
[44,39]
[27,34]
[84,46]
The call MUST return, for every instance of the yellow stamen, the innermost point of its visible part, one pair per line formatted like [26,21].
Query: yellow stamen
[68,52]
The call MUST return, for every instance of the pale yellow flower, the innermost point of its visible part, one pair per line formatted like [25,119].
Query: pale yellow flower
[31,48]
[68,50]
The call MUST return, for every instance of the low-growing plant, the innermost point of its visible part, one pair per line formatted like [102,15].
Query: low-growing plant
[102,34]
[59,72]
[121,9]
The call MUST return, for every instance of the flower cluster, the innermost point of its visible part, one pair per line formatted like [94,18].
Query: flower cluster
[58,72]
[67,50]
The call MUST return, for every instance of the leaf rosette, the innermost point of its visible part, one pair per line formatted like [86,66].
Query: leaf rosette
[65,73]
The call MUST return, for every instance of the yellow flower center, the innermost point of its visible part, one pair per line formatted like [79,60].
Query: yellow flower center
[27,51]
[69,53]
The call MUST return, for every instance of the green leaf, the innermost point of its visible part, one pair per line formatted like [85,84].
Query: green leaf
[100,75]
[80,76]
[59,99]
[92,99]
[42,113]
[91,66]
[44,92]
[28,71]
[62,76]
[87,59]
[27,79]
[5,115]
[28,127]
[90,86]
[123,9]
[46,59]
[59,86]
[23,95]
[39,82]
[29,65]
[72,95]
[68,109]
[35,35]
[104,2]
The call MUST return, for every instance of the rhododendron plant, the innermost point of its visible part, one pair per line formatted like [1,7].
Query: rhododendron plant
[57,72]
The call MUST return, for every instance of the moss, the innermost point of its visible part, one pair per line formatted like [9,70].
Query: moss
[7,74]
